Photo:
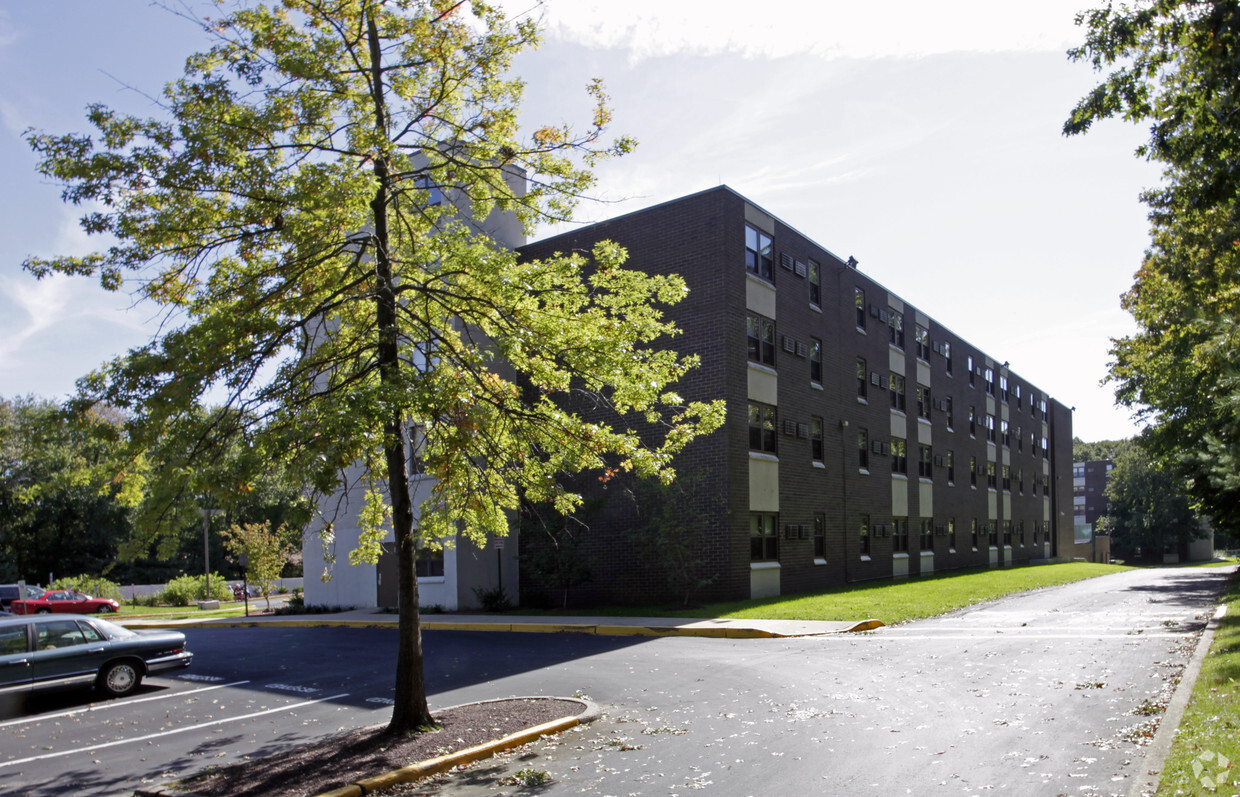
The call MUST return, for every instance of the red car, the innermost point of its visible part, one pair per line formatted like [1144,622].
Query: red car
[64,601]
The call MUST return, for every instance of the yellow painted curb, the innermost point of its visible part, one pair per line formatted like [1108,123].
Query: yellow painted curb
[866,625]
[433,766]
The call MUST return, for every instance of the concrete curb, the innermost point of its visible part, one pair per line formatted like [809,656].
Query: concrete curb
[1156,757]
[739,631]
[424,769]
[434,766]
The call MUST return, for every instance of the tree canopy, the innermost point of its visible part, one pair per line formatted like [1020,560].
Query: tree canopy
[1171,64]
[311,208]
[1147,510]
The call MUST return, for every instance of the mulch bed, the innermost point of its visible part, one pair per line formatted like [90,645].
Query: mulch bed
[341,760]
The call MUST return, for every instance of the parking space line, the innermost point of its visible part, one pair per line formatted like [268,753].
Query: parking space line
[195,727]
[116,704]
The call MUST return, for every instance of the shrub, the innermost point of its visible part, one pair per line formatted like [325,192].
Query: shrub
[154,599]
[493,600]
[95,586]
[185,590]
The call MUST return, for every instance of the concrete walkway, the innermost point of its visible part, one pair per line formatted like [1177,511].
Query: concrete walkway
[603,626]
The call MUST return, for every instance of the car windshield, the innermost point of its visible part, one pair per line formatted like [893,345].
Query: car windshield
[112,630]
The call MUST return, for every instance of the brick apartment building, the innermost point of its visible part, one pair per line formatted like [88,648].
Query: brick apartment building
[863,440]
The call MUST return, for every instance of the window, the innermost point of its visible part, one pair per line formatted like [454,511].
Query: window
[923,342]
[863,530]
[972,371]
[895,329]
[815,283]
[992,531]
[429,563]
[925,539]
[899,535]
[820,536]
[863,449]
[1005,431]
[1004,393]
[896,389]
[949,462]
[758,254]
[862,381]
[762,428]
[973,530]
[1006,471]
[951,533]
[859,297]
[815,360]
[761,340]
[925,463]
[972,471]
[923,402]
[1007,533]
[899,456]
[1020,440]
[763,537]
[972,421]
[946,348]
[990,428]
[947,408]
[990,381]
[815,439]
[991,479]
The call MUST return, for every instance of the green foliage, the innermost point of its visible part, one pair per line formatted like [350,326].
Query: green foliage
[67,486]
[1148,511]
[312,210]
[186,590]
[1171,64]
[266,550]
[95,586]
[1103,449]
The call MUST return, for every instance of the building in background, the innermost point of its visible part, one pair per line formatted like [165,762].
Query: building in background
[864,439]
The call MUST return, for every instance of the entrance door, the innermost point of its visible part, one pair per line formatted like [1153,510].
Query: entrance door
[387,588]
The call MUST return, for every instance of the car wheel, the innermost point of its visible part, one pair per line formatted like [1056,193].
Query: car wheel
[120,678]
[104,608]
[44,610]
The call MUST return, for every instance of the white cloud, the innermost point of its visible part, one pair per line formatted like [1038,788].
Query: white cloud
[827,28]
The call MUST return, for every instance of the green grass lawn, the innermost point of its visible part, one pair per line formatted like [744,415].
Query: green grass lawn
[888,601]
[1208,744]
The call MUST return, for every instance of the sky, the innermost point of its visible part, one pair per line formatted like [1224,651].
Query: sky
[923,139]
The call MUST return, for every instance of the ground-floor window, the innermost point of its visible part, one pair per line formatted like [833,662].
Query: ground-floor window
[429,563]
[763,537]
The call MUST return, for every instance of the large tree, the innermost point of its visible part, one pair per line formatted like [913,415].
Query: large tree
[1171,64]
[68,486]
[1147,510]
[309,210]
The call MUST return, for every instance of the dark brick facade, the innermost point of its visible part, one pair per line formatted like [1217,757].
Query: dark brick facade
[702,238]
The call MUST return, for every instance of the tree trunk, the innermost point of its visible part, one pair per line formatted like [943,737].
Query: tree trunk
[409,711]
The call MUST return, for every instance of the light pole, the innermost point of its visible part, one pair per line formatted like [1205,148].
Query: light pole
[206,550]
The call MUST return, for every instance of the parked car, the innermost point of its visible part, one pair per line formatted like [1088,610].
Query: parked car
[45,653]
[63,601]
[12,592]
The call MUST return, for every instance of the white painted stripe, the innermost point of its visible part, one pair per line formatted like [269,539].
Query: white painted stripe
[117,704]
[195,727]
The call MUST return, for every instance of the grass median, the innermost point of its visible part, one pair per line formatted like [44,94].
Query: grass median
[889,601]
[1205,757]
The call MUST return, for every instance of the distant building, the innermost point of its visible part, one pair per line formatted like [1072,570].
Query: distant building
[1089,486]
[1089,502]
